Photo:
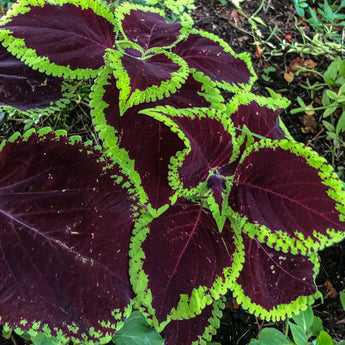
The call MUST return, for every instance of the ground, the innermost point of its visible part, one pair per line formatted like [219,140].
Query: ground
[237,326]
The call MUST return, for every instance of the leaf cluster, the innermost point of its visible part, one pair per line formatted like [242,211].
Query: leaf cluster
[305,328]
[189,196]
[322,15]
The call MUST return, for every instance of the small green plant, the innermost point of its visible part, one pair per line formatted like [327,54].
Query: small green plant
[323,16]
[333,98]
[305,329]
[266,75]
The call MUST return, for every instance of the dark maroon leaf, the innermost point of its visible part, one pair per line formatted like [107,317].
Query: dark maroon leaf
[25,89]
[146,73]
[217,186]
[192,94]
[208,56]
[202,326]
[271,282]
[289,195]
[65,230]
[66,34]
[259,120]
[207,151]
[183,251]
[149,29]
[150,143]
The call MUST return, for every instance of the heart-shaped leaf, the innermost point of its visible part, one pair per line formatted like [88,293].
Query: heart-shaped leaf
[147,79]
[180,262]
[143,144]
[266,273]
[65,231]
[62,38]
[146,26]
[209,54]
[289,196]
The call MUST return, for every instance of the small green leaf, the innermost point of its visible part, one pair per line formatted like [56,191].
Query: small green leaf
[328,126]
[331,94]
[301,102]
[271,336]
[325,99]
[342,293]
[259,20]
[329,111]
[254,342]
[341,68]
[331,73]
[305,318]
[41,339]
[324,339]
[342,90]
[136,331]
[298,334]
[6,332]
[341,123]
[315,328]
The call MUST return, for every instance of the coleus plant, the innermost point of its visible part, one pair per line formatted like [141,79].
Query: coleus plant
[190,196]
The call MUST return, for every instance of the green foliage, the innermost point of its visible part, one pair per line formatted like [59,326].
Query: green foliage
[271,336]
[333,99]
[136,331]
[267,71]
[342,298]
[323,16]
[5,5]
[305,329]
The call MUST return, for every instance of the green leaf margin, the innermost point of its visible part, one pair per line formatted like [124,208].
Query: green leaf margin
[128,97]
[67,94]
[279,239]
[57,333]
[17,47]
[282,311]
[235,88]
[108,135]
[244,98]
[125,9]
[188,306]
[161,114]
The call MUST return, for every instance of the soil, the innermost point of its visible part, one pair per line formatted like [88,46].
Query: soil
[238,326]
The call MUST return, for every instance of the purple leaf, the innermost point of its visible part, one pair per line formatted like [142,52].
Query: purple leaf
[290,196]
[273,284]
[64,238]
[206,152]
[259,120]
[217,186]
[68,35]
[200,327]
[146,73]
[183,251]
[25,89]
[148,29]
[145,80]
[195,92]
[147,142]
[206,53]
